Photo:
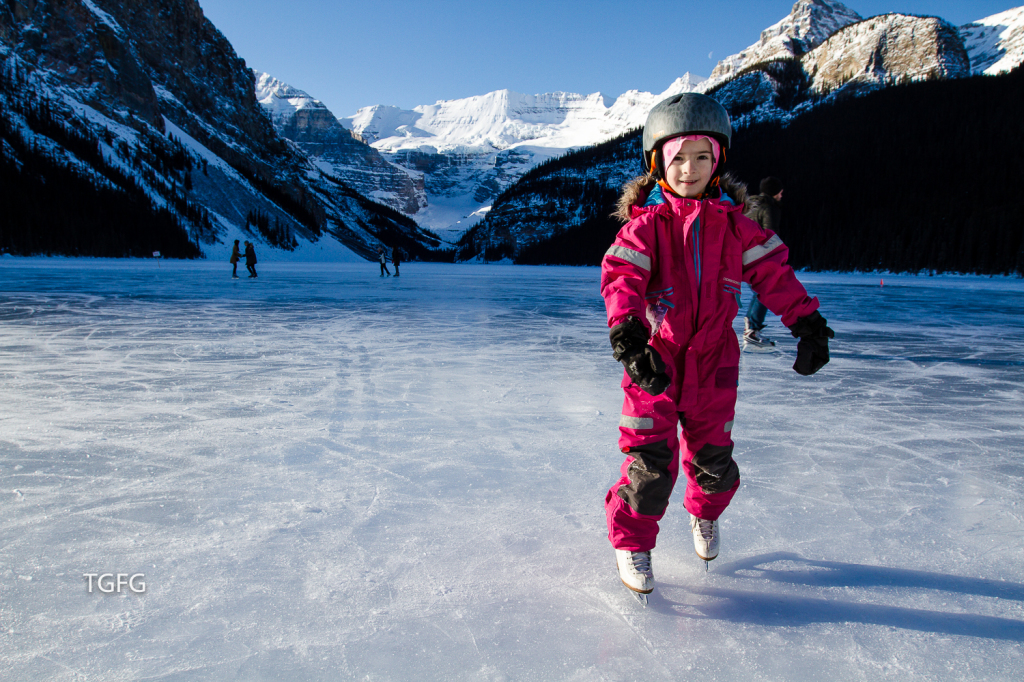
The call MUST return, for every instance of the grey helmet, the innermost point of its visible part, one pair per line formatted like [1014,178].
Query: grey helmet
[687,113]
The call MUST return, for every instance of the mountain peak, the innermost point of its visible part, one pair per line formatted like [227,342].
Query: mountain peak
[808,24]
[281,100]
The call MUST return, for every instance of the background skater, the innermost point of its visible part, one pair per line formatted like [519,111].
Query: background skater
[250,258]
[235,257]
[382,257]
[765,209]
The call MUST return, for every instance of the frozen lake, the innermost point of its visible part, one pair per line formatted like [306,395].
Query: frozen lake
[326,475]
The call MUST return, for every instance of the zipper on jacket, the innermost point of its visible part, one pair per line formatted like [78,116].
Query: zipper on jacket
[696,249]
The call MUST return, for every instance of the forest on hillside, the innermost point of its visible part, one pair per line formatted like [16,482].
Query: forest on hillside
[50,204]
[914,177]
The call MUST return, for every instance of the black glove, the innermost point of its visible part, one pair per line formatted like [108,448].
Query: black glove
[812,349]
[642,362]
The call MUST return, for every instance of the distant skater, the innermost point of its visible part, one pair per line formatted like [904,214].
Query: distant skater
[766,210]
[383,261]
[669,282]
[235,257]
[396,258]
[250,259]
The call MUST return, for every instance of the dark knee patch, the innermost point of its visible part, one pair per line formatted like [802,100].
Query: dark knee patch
[716,469]
[650,483]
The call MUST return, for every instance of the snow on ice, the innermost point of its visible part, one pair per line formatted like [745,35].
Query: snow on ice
[324,475]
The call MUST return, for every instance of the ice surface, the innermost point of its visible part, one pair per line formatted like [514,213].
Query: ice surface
[328,475]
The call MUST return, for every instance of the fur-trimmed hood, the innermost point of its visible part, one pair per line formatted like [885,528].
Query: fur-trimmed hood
[636,191]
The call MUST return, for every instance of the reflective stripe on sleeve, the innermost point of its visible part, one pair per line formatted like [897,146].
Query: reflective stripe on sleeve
[638,423]
[757,252]
[728,426]
[635,257]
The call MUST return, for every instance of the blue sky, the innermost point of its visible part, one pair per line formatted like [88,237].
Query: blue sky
[410,52]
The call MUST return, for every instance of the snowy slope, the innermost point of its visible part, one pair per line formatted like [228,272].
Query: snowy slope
[996,43]
[325,476]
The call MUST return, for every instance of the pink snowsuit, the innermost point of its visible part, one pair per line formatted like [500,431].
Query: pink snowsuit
[677,265]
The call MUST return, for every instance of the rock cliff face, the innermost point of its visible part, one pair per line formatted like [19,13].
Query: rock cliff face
[128,71]
[317,132]
[885,49]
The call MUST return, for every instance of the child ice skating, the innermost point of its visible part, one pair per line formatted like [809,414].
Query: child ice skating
[669,282]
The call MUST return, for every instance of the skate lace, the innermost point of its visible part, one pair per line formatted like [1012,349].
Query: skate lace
[707,528]
[641,562]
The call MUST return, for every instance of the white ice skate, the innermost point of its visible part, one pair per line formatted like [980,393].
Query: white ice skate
[705,537]
[635,572]
[754,342]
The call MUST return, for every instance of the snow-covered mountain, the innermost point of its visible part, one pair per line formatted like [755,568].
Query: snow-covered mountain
[332,148]
[504,119]
[468,150]
[96,92]
[995,44]
[808,24]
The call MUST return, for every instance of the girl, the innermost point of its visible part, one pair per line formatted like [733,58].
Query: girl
[669,283]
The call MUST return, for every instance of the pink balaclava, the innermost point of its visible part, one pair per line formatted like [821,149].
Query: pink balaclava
[672,147]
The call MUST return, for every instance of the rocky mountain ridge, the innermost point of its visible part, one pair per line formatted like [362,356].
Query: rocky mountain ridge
[331,147]
[808,24]
[860,57]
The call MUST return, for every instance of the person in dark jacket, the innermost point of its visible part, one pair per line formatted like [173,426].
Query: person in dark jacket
[766,210]
[250,259]
[235,257]
[396,258]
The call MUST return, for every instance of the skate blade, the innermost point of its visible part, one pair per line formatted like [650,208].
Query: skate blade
[639,596]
